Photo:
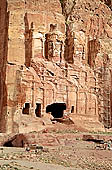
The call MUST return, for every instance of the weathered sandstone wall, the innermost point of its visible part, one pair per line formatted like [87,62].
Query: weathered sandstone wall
[33,27]
[4,17]
[90,24]
[57,52]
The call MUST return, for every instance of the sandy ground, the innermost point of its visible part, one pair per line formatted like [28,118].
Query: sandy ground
[26,165]
[71,156]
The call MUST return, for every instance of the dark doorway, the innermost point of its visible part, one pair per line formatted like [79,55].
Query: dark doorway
[26,109]
[56,109]
[72,109]
[38,110]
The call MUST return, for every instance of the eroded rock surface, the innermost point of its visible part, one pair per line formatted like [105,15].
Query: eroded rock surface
[55,52]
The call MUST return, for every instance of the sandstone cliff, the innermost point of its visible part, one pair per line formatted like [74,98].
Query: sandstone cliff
[55,52]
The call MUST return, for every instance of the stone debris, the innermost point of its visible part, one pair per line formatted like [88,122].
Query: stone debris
[65,120]
[100,143]
[106,145]
[34,147]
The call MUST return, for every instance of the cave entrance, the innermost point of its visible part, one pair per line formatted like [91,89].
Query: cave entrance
[26,109]
[8,144]
[56,109]
[38,110]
